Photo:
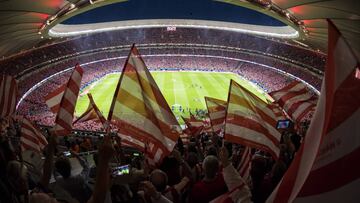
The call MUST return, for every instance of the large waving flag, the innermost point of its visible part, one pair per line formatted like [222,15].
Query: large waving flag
[250,122]
[91,113]
[31,137]
[63,100]
[217,113]
[8,94]
[296,100]
[325,168]
[140,110]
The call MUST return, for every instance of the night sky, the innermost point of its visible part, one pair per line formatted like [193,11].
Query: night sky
[173,9]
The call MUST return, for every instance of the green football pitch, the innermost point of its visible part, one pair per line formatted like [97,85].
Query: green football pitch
[185,89]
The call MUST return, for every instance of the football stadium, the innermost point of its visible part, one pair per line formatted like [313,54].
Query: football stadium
[169,101]
[184,91]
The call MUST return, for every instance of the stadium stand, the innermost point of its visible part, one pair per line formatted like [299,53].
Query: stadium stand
[198,163]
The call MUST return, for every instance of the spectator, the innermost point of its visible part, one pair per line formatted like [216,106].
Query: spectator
[75,185]
[212,185]
[174,193]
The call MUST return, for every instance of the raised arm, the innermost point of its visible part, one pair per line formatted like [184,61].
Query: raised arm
[106,152]
[238,188]
[49,159]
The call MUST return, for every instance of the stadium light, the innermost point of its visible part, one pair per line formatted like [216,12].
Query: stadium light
[95,1]
[42,27]
[72,6]
[302,44]
[52,17]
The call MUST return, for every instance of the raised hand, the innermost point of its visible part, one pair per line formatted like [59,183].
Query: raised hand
[150,190]
[106,151]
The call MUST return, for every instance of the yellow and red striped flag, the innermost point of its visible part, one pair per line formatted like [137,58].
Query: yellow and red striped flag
[250,122]
[91,113]
[140,110]
[8,95]
[217,113]
[63,100]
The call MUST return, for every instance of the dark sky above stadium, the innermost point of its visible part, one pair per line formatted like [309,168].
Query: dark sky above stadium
[174,9]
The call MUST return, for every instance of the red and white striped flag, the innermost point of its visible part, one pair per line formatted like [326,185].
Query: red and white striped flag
[195,121]
[217,113]
[53,99]
[279,113]
[194,126]
[31,137]
[8,95]
[63,100]
[250,122]
[245,163]
[91,113]
[140,110]
[296,100]
[325,168]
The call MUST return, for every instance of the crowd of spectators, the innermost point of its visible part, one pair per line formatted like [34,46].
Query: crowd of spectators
[33,105]
[19,63]
[31,78]
[84,167]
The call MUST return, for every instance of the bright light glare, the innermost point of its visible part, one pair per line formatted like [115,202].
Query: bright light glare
[62,30]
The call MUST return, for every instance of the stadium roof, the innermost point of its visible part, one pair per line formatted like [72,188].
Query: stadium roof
[24,23]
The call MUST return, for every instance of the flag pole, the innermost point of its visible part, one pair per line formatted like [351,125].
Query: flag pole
[226,112]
